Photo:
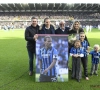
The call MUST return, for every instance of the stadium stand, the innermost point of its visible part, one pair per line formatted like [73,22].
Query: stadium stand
[18,15]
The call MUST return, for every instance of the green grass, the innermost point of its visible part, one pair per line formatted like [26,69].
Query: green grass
[14,66]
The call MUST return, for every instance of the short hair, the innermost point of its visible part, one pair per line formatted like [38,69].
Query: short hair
[34,18]
[46,18]
[96,45]
[46,37]
[62,21]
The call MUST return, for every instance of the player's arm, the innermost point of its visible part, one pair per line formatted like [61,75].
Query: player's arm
[51,66]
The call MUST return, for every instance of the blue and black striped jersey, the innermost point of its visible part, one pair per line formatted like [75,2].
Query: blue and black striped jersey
[95,57]
[76,51]
[85,47]
[47,56]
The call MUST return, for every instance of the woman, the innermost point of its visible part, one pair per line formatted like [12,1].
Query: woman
[75,30]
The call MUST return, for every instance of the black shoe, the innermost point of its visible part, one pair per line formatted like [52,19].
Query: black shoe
[30,73]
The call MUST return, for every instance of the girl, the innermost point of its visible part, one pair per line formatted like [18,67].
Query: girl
[76,53]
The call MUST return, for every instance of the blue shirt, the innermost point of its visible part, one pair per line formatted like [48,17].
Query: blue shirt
[76,50]
[85,47]
[95,57]
[47,56]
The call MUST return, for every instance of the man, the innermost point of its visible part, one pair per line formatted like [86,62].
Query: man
[47,27]
[62,29]
[47,61]
[31,36]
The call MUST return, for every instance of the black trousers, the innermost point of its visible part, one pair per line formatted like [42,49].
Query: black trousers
[76,68]
[31,58]
[45,78]
[84,61]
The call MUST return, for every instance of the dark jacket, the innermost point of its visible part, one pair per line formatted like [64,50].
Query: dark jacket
[59,31]
[43,30]
[75,32]
[29,34]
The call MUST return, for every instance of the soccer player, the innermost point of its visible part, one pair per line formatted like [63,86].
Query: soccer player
[47,60]
[98,26]
[76,52]
[31,36]
[84,59]
[87,28]
[95,56]
[90,28]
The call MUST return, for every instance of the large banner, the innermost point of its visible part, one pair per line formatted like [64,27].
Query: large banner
[51,58]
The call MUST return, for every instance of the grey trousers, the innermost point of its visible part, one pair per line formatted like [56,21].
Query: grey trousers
[94,68]
[76,68]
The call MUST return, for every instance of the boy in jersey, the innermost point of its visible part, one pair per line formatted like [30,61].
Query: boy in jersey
[95,59]
[84,59]
[47,60]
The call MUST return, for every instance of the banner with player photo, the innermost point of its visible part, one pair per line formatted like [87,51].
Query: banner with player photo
[51,58]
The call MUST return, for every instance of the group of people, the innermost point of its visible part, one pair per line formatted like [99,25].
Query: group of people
[78,49]
[51,15]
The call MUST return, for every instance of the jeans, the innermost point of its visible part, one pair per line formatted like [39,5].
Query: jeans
[31,57]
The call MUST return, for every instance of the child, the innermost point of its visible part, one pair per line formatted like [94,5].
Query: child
[95,59]
[84,59]
[76,53]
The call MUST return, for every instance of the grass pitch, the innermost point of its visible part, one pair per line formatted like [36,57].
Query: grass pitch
[14,66]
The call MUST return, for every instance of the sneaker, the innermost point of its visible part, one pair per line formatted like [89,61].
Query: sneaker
[30,73]
[86,78]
